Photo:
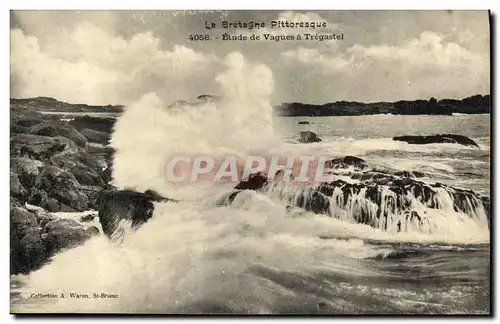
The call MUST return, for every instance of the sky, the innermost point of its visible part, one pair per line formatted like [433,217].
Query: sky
[116,57]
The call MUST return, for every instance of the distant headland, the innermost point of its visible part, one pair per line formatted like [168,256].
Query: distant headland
[477,104]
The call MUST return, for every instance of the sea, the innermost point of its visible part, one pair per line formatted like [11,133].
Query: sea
[256,256]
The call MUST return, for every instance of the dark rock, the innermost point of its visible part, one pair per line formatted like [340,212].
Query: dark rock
[438,138]
[40,147]
[206,97]
[26,249]
[486,205]
[97,162]
[83,173]
[93,192]
[16,188]
[21,221]
[345,162]
[58,128]
[130,206]
[96,136]
[26,169]
[61,186]
[99,124]
[62,234]
[304,123]
[107,174]
[314,201]
[14,202]
[308,137]
[410,174]
[16,128]
[255,181]
[29,253]
[51,204]
[87,218]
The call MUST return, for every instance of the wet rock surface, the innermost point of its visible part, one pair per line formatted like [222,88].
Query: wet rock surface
[135,208]
[53,169]
[308,137]
[376,197]
[437,139]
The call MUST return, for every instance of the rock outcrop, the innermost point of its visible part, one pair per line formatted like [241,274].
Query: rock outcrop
[345,162]
[27,251]
[62,234]
[53,169]
[437,139]
[376,199]
[104,125]
[58,190]
[40,147]
[58,129]
[94,136]
[133,207]
[308,137]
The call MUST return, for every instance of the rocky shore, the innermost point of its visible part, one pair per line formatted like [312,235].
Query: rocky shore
[65,165]
[56,165]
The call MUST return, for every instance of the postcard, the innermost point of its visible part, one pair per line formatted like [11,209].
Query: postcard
[204,162]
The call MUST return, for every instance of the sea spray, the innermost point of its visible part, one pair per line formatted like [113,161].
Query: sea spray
[240,123]
[253,256]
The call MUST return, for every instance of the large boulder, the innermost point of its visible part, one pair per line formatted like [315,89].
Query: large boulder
[96,136]
[314,201]
[42,216]
[99,124]
[133,207]
[308,137]
[58,128]
[255,181]
[345,162]
[26,169]
[58,190]
[437,139]
[83,173]
[63,234]
[40,147]
[16,188]
[21,221]
[27,251]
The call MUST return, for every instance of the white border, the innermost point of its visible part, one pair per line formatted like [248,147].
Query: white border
[158,4]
